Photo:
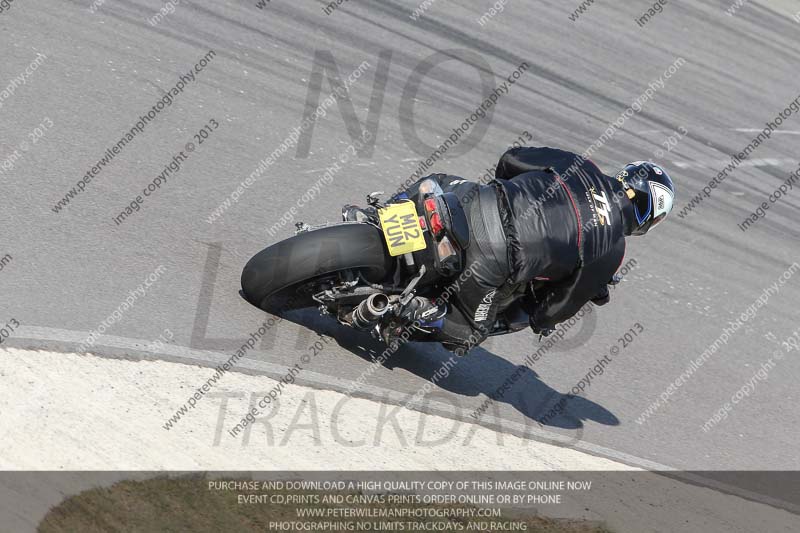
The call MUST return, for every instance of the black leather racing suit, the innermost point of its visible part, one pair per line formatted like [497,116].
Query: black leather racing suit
[548,233]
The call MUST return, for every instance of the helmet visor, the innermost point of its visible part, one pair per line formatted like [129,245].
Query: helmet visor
[658,219]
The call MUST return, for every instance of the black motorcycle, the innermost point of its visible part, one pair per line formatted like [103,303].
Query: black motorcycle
[365,272]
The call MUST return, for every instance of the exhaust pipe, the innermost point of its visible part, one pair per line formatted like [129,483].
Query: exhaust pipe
[370,311]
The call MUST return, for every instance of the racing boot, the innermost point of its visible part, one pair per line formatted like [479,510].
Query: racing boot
[423,310]
[419,319]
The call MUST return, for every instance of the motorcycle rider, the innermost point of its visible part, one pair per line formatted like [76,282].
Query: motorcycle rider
[546,236]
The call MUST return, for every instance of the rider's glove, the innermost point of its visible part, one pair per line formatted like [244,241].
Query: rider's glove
[602,297]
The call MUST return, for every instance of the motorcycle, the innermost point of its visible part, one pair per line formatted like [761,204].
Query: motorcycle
[365,272]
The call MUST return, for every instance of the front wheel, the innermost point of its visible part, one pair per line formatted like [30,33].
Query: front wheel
[282,274]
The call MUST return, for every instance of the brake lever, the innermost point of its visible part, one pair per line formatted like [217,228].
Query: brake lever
[409,291]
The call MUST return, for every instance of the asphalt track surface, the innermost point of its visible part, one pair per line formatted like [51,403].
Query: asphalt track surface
[70,270]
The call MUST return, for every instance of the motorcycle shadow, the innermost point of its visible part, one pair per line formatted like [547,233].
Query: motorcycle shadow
[480,372]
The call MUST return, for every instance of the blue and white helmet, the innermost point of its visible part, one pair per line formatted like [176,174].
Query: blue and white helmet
[651,192]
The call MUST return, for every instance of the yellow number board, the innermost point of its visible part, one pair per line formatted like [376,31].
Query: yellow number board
[401,228]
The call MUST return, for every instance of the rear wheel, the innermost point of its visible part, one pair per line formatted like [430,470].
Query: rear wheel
[285,274]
